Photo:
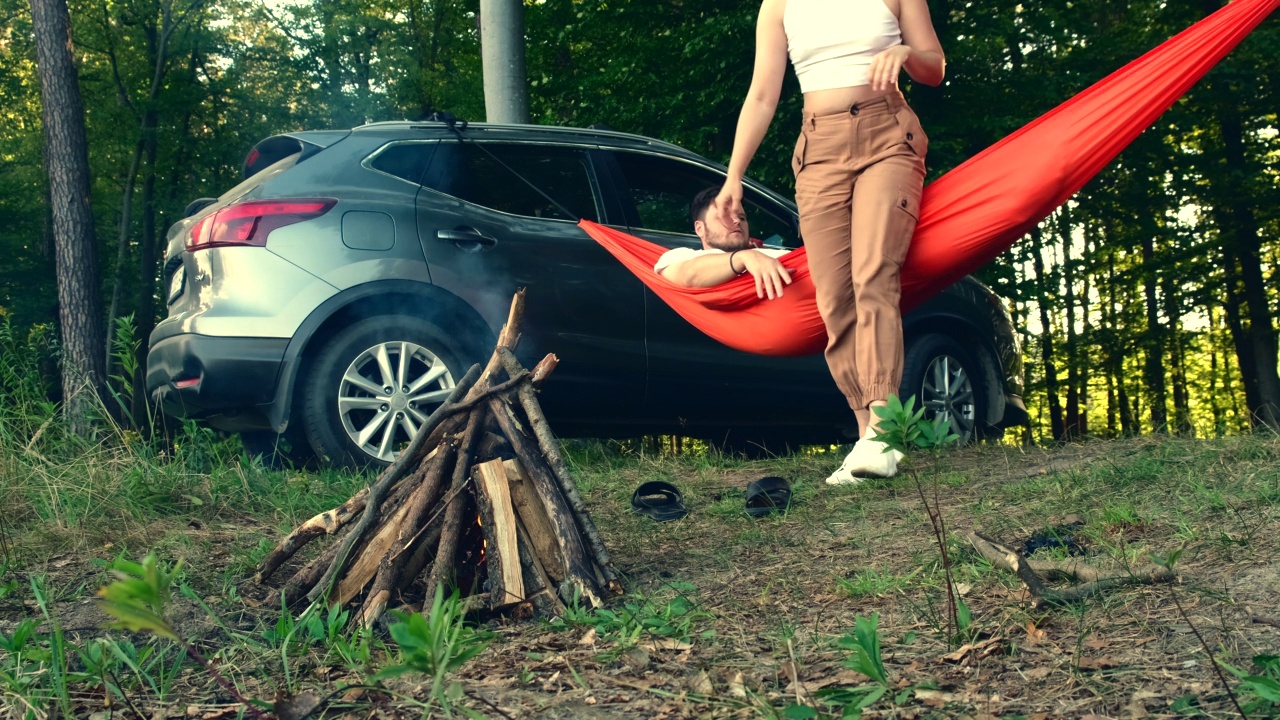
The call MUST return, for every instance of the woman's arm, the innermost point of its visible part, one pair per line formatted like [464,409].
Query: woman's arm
[920,53]
[759,107]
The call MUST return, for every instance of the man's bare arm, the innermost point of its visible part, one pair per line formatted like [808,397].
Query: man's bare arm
[714,269]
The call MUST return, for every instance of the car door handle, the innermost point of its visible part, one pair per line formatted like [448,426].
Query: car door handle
[466,237]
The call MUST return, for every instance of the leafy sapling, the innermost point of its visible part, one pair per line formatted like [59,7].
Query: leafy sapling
[137,601]
[902,427]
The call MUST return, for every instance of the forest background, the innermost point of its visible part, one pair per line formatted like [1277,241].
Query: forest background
[1147,304]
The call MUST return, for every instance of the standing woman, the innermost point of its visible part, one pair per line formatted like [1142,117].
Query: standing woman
[859,167]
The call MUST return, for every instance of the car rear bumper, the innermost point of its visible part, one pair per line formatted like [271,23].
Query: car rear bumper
[198,376]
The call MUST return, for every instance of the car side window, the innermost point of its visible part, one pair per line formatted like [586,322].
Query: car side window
[406,161]
[491,176]
[662,189]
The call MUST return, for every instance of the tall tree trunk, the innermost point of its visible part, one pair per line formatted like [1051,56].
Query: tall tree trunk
[1177,358]
[1153,368]
[79,302]
[1071,427]
[148,265]
[1240,337]
[1238,227]
[506,85]
[1046,340]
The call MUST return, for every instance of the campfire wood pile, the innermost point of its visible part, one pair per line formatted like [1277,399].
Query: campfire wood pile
[450,508]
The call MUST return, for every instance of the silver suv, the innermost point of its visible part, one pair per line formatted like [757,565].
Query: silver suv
[334,297]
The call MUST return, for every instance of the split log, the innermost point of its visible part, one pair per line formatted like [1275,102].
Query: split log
[502,557]
[1028,571]
[533,517]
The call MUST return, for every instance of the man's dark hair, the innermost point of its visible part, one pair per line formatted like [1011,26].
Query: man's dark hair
[702,201]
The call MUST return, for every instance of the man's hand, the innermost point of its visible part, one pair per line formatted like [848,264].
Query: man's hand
[769,274]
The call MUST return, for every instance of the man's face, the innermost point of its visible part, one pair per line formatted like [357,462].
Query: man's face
[716,235]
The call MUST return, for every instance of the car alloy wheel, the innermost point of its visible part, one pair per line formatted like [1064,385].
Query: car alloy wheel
[947,393]
[946,382]
[386,394]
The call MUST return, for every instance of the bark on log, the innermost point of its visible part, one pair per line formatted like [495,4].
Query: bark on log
[442,570]
[388,576]
[502,557]
[579,573]
[560,469]
[533,517]
[539,588]
[394,472]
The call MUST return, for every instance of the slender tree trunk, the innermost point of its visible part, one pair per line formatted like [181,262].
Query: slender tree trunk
[1177,359]
[79,302]
[1071,427]
[1046,340]
[148,267]
[1153,368]
[1240,337]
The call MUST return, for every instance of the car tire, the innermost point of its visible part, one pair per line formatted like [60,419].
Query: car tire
[947,381]
[373,384]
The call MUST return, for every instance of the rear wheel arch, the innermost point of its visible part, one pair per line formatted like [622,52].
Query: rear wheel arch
[398,297]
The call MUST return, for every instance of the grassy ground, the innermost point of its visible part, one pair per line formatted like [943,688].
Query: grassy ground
[727,616]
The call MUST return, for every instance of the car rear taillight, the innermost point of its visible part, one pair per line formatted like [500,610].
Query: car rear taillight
[249,223]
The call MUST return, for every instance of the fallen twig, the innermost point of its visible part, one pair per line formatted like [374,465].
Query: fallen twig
[1029,572]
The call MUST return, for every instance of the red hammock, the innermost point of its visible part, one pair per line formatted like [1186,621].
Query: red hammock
[979,209]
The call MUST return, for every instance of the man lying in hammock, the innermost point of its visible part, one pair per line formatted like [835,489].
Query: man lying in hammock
[726,253]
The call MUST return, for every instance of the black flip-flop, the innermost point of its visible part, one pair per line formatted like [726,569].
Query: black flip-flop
[768,495]
[659,500]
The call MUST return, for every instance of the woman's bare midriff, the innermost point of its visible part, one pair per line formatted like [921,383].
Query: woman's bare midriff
[826,102]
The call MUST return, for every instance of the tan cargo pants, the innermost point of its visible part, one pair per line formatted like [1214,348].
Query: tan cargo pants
[859,175]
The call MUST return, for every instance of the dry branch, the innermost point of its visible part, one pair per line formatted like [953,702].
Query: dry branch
[1094,581]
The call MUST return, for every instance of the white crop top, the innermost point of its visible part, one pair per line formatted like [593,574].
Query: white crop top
[832,42]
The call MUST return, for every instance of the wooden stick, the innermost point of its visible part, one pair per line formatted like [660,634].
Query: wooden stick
[297,587]
[579,575]
[442,570]
[1010,559]
[326,523]
[393,472]
[533,517]
[502,555]
[538,587]
[560,469]
[388,575]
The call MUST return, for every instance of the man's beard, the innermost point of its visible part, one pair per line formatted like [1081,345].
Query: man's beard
[729,242]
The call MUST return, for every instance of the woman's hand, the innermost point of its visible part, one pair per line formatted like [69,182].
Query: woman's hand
[886,67]
[728,204]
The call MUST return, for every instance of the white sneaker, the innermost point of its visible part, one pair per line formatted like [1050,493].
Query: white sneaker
[867,459]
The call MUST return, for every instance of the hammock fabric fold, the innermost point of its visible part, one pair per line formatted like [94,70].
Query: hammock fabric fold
[979,209]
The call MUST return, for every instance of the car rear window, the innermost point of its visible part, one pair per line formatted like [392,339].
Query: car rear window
[493,179]
[407,161]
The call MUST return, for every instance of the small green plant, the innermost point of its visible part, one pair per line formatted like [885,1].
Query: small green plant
[1261,691]
[640,617]
[865,645]
[137,601]
[871,582]
[435,645]
[903,428]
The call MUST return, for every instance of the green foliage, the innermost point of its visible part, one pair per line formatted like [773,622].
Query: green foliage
[903,428]
[435,644]
[641,617]
[1260,692]
[864,643]
[137,599]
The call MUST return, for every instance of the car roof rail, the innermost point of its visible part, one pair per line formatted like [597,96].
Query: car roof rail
[599,126]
